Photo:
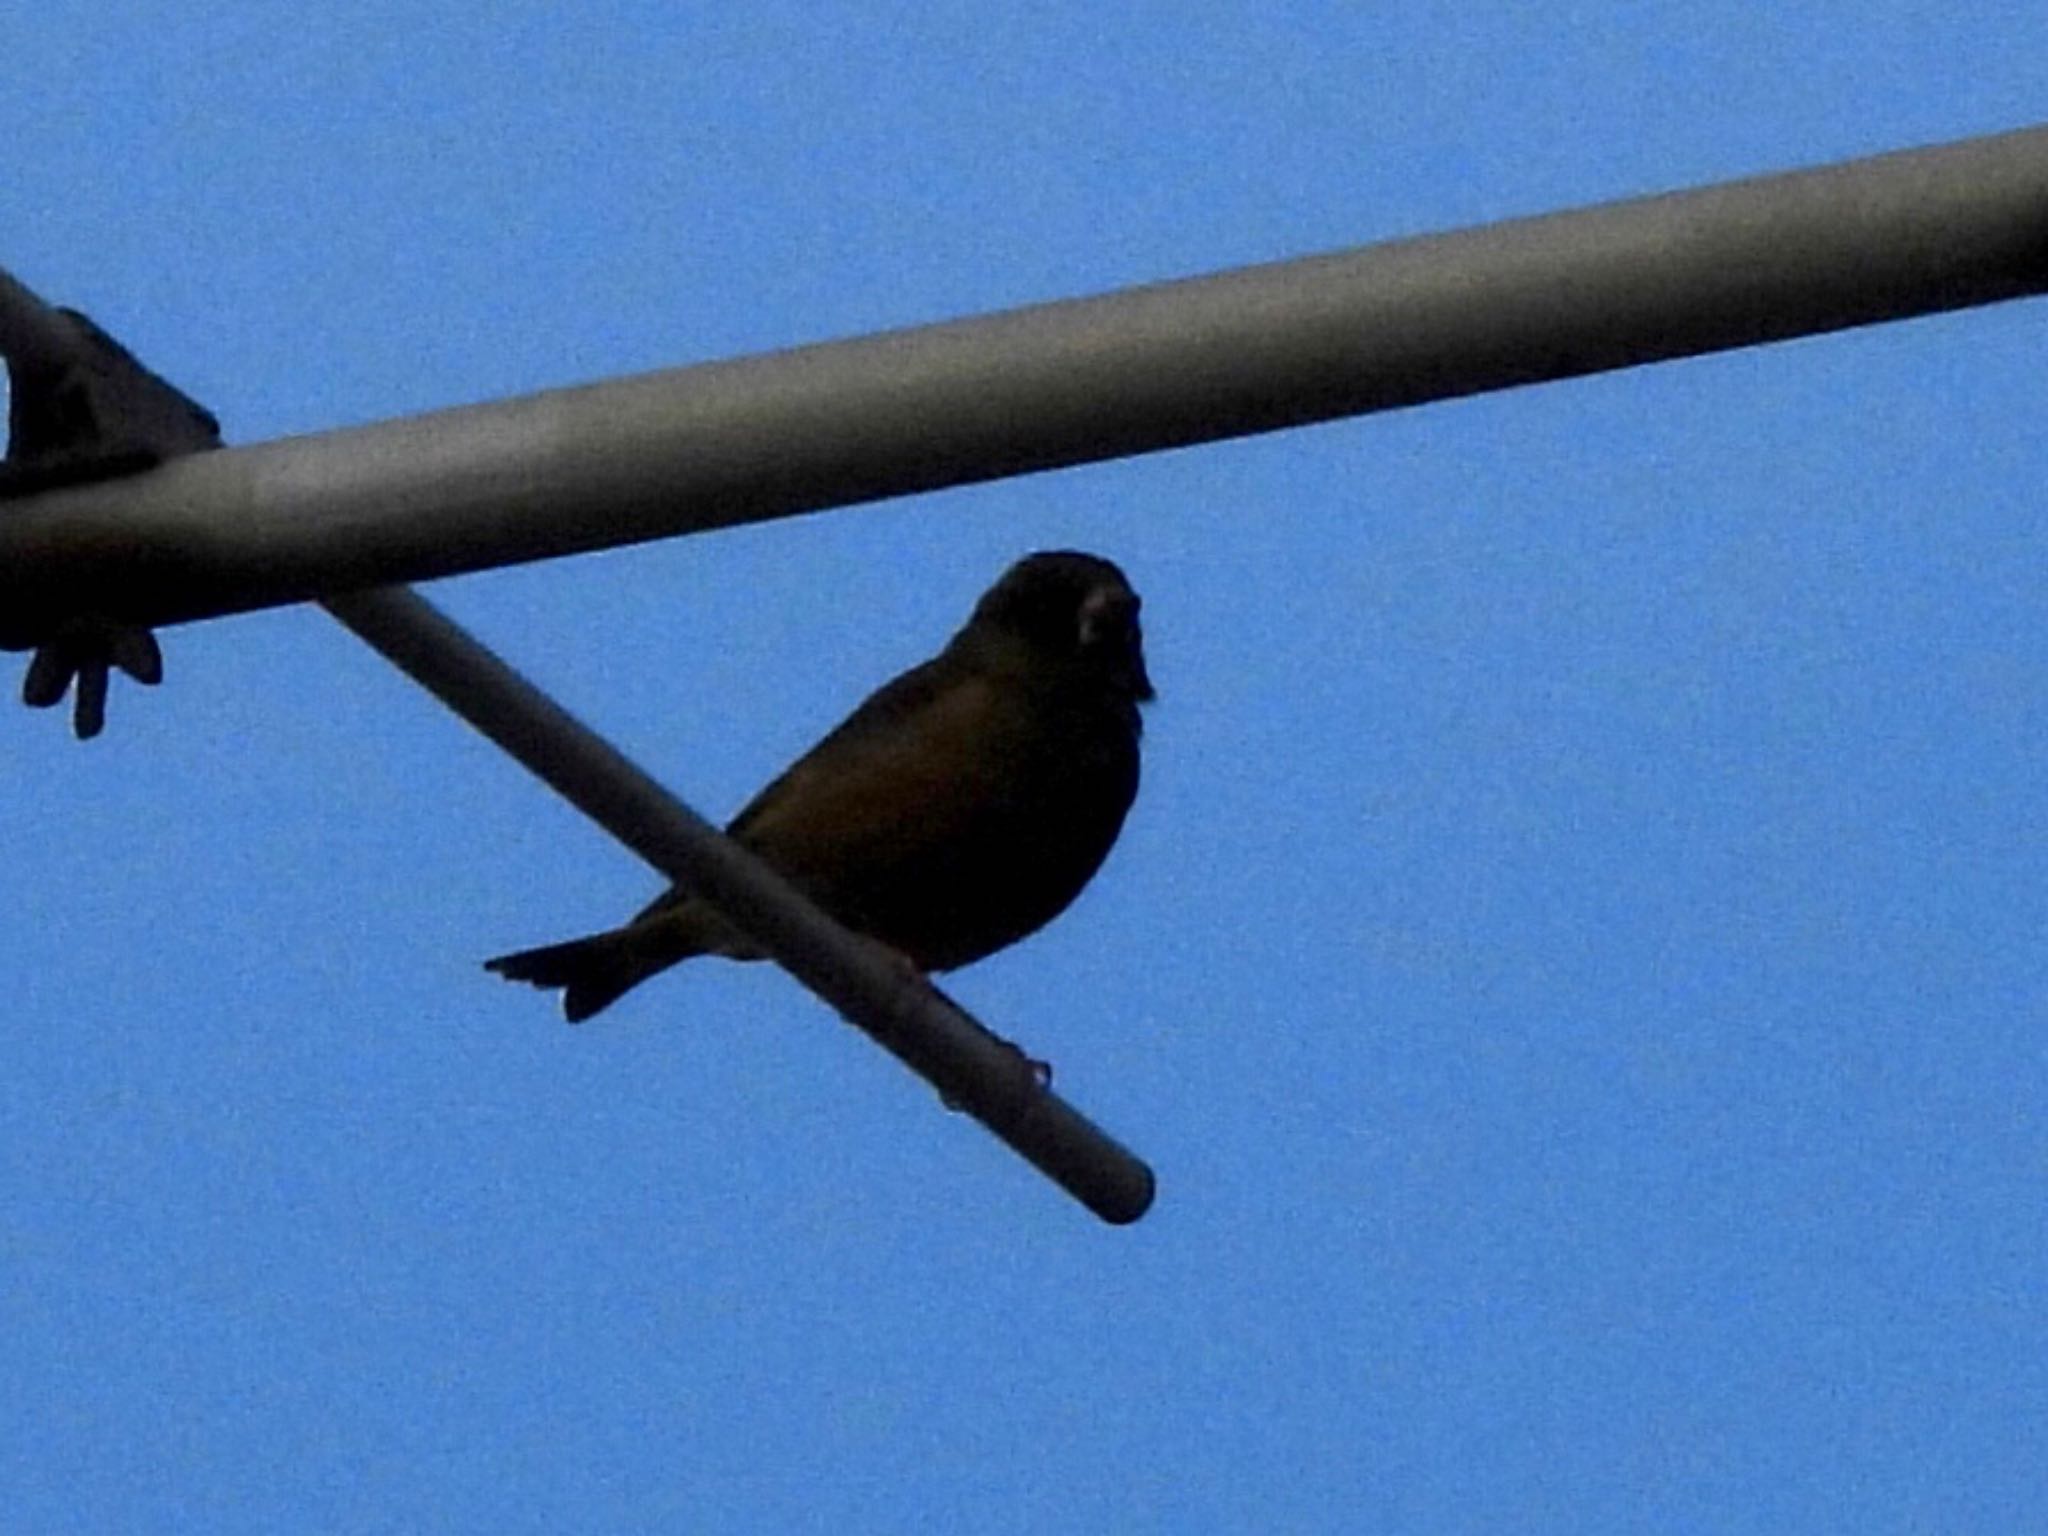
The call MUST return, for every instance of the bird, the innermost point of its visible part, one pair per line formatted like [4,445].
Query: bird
[961,807]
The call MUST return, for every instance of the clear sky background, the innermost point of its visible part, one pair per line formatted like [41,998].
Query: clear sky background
[1576,962]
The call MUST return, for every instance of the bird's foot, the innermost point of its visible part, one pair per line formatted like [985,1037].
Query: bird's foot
[1039,1072]
[914,978]
[84,649]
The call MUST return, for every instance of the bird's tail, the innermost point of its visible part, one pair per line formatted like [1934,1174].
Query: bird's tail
[592,973]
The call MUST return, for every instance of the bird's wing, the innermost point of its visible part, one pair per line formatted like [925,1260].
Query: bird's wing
[912,766]
[844,768]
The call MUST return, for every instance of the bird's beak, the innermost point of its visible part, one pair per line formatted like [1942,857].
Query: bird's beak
[1141,683]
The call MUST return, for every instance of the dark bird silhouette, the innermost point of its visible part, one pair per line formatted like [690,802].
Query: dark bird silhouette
[963,806]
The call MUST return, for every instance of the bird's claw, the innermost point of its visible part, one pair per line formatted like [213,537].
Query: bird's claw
[84,649]
[1040,1073]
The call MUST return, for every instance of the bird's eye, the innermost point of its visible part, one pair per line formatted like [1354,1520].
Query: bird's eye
[1107,615]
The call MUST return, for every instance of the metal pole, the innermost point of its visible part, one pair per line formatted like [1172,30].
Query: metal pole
[1155,367]
[972,1069]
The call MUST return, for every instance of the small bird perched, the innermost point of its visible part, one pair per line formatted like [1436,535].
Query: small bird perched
[961,807]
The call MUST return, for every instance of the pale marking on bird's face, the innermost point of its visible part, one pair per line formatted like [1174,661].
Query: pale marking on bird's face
[1108,627]
[1109,611]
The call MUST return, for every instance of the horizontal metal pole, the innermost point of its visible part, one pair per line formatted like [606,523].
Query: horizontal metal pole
[1155,367]
[972,1069]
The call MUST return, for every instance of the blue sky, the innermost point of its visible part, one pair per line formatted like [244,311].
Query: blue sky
[1576,961]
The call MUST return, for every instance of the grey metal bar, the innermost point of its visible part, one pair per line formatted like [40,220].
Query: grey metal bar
[1154,367]
[927,1031]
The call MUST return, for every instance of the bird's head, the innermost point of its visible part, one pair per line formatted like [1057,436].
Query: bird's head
[1076,617]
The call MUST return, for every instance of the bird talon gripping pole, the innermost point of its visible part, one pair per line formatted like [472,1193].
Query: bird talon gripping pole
[82,408]
[84,648]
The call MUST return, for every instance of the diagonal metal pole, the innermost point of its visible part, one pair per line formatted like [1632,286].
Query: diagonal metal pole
[1156,367]
[972,1069]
